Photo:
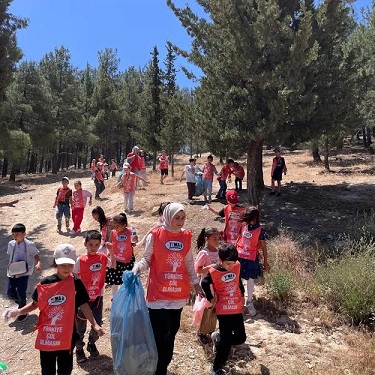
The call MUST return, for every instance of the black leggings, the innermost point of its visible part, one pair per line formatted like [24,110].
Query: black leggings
[165,325]
[64,359]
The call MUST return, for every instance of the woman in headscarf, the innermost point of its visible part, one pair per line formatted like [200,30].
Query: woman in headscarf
[169,258]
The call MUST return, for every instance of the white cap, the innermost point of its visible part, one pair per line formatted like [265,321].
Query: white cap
[126,165]
[65,254]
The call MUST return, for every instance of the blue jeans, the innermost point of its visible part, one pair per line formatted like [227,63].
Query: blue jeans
[207,190]
[62,209]
[223,189]
[17,287]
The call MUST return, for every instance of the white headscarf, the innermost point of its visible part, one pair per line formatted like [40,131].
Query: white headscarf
[169,212]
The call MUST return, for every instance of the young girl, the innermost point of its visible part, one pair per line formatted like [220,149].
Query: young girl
[79,201]
[129,184]
[208,175]
[121,251]
[105,224]
[207,243]
[169,257]
[250,240]
[58,297]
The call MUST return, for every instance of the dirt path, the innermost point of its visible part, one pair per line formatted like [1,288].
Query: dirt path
[313,203]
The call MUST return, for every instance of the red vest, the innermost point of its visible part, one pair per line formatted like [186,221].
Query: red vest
[168,278]
[78,199]
[163,162]
[92,272]
[248,243]
[129,182]
[98,175]
[122,246]
[226,286]
[61,194]
[208,171]
[56,303]
[232,223]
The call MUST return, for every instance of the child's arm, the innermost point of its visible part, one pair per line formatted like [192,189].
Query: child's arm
[213,211]
[182,175]
[142,179]
[265,255]
[88,314]
[13,313]
[206,286]
[38,264]
[56,201]
[284,169]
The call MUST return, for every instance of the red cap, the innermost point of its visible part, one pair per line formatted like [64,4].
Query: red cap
[231,196]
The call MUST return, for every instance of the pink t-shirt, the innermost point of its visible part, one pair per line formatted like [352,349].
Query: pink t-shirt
[205,258]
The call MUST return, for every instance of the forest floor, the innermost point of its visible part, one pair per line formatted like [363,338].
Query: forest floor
[295,339]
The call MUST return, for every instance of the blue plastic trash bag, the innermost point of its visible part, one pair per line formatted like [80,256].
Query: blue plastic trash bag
[133,345]
[199,187]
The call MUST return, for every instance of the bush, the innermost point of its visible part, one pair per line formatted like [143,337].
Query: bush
[280,283]
[348,285]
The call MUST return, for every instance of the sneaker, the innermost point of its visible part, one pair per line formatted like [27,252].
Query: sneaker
[215,337]
[251,309]
[272,193]
[91,348]
[14,298]
[58,230]
[219,371]
[21,318]
[203,339]
[80,356]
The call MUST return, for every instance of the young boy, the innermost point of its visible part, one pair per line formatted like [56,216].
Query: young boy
[190,170]
[62,202]
[129,183]
[79,201]
[91,269]
[231,214]
[228,299]
[208,175]
[224,175]
[99,179]
[163,166]
[239,174]
[58,297]
[278,168]
[21,249]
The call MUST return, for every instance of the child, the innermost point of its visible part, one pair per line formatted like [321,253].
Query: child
[21,249]
[208,175]
[79,200]
[250,240]
[113,168]
[93,167]
[62,202]
[169,257]
[231,214]
[239,174]
[228,300]
[105,225]
[129,184]
[163,166]
[224,175]
[121,251]
[277,170]
[142,165]
[58,297]
[99,179]
[190,170]
[207,243]
[134,160]
[91,269]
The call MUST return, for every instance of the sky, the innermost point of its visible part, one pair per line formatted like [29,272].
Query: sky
[85,27]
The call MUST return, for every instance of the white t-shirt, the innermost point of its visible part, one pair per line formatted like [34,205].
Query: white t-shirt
[25,250]
[191,172]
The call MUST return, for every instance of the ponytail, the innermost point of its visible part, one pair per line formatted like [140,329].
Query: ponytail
[201,240]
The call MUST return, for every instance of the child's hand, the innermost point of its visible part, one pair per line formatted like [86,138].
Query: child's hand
[108,245]
[10,313]
[113,262]
[198,290]
[99,330]
[266,267]
[214,300]
[38,267]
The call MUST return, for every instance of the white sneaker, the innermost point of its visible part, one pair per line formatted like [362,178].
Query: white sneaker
[251,309]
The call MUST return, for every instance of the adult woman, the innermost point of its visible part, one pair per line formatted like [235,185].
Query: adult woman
[169,257]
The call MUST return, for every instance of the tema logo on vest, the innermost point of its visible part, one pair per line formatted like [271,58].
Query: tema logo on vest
[228,277]
[56,300]
[247,234]
[121,237]
[95,267]
[174,245]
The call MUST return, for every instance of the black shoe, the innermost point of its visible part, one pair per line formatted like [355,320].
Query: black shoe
[80,356]
[203,339]
[91,348]
[21,318]
[14,298]
[219,371]
[272,193]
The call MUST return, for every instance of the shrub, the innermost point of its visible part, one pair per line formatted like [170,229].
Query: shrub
[348,285]
[280,283]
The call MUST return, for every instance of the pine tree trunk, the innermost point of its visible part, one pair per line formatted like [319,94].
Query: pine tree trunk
[41,163]
[326,154]
[255,182]
[4,171]
[12,176]
[171,158]
[154,154]
[315,153]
